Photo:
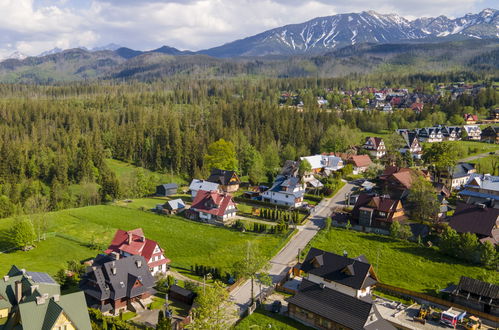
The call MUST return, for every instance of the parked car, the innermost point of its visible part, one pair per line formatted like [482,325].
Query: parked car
[276,306]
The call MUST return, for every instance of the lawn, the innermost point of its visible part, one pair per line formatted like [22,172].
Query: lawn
[262,319]
[400,263]
[146,203]
[124,171]
[185,242]
[489,164]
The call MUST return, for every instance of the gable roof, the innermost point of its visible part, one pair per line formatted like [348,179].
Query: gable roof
[102,284]
[197,185]
[334,267]
[169,186]
[333,305]
[223,177]
[379,203]
[375,141]
[133,242]
[475,219]
[175,204]
[361,160]
[462,170]
[212,202]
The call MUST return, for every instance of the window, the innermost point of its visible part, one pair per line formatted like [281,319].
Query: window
[382,214]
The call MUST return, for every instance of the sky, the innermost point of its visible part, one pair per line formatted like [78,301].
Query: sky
[34,26]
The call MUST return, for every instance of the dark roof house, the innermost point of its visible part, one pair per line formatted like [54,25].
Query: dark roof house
[228,180]
[479,219]
[114,285]
[377,211]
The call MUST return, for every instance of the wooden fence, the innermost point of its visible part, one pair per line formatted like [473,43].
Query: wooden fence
[435,300]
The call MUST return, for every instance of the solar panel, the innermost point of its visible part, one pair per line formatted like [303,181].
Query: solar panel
[38,277]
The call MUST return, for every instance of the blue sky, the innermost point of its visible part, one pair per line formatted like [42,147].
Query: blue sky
[33,26]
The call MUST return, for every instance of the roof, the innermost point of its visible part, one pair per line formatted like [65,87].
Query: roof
[379,203]
[102,284]
[175,204]
[462,170]
[481,181]
[197,185]
[223,177]
[375,141]
[361,160]
[212,202]
[169,186]
[476,287]
[334,267]
[182,292]
[333,305]
[475,219]
[36,312]
[133,242]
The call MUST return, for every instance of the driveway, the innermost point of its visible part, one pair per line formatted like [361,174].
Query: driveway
[286,258]
[468,159]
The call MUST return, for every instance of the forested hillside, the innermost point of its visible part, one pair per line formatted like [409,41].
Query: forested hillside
[55,137]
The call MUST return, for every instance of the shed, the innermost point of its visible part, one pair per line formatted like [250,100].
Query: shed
[174,206]
[180,294]
[167,189]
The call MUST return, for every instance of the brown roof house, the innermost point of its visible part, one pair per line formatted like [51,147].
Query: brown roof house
[398,181]
[478,219]
[375,146]
[377,211]
[335,293]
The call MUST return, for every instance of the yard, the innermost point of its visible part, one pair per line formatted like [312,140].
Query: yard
[400,263]
[185,242]
[262,319]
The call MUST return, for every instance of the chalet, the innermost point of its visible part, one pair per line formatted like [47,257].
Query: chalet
[398,181]
[133,243]
[476,294]
[33,301]
[451,133]
[412,145]
[114,285]
[481,189]
[286,190]
[430,134]
[478,219]
[375,146]
[166,189]
[228,181]
[197,185]
[323,164]
[360,163]
[336,293]
[213,207]
[470,119]
[417,107]
[490,135]
[458,176]
[473,131]
[377,211]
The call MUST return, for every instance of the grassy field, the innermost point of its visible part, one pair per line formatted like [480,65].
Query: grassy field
[262,319]
[471,148]
[124,171]
[487,164]
[185,242]
[400,263]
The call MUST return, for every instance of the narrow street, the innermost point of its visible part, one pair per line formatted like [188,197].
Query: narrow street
[281,262]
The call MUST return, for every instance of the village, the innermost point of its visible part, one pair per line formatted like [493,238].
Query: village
[455,207]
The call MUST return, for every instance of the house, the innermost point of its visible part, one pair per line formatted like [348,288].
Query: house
[494,114]
[473,131]
[377,211]
[360,163]
[430,134]
[375,146]
[476,294]
[197,185]
[481,189]
[133,243]
[417,107]
[387,108]
[490,135]
[478,219]
[228,181]
[114,285]
[213,207]
[178,293]
[412,144]
[470,119]
[458,176]
[33,301]
[286,190]
[336,293]
[173,207]
[398,181]
[322,164]
[451,133]
[166,189]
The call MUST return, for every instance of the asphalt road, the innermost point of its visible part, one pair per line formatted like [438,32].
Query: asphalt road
[287,257]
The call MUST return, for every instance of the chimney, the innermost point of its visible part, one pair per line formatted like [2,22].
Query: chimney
[56,297]
[138,263]
[129,238]
[6,278]
[18,291]
[115,255]
[113,270]
[40,300]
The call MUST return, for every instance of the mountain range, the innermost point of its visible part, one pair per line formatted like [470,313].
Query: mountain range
[324,34]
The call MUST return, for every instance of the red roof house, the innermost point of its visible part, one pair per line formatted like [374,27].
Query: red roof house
[417,106]
[213,206]
[360,163]
[470,119]
[133,243]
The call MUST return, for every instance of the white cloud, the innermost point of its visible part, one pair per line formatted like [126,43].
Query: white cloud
[32,26]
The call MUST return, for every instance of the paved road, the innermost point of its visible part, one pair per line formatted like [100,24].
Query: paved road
[281,262]
[467,159]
